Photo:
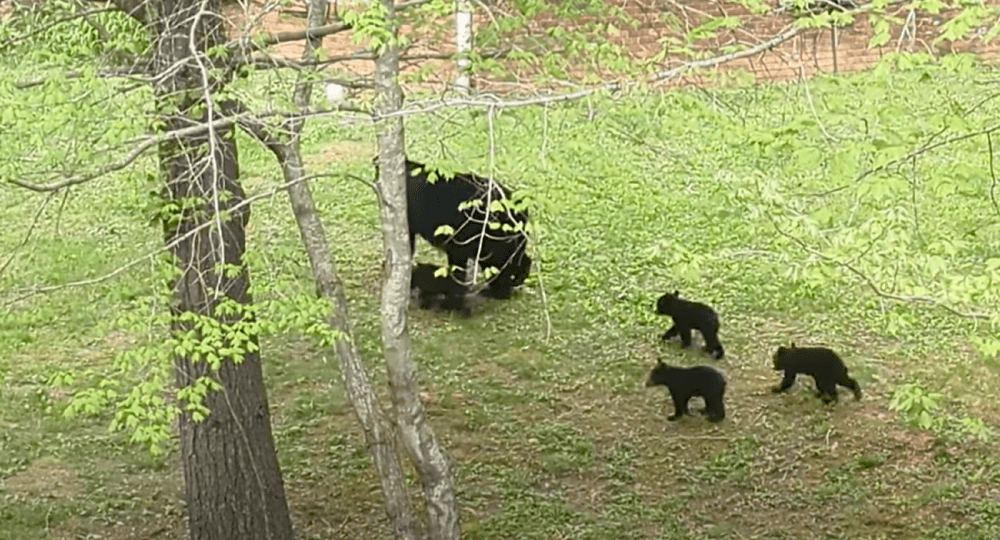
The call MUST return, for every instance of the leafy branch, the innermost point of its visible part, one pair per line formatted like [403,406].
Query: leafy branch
[25,294]
[40,29]
[129,71]
[933,302]
[145,143]
[927,147]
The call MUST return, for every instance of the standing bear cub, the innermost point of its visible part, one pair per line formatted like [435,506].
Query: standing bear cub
[687,316]
[686,383]
[825,367]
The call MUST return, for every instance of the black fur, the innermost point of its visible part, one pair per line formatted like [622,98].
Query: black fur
[685,383]
[438,292]
[432,204]
[687,316]
[825,367]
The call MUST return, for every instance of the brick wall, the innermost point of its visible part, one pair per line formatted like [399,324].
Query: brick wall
[821,50]
[813,51]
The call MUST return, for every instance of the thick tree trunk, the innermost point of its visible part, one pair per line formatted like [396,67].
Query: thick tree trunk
[428,456]
[232,480]
[379,434]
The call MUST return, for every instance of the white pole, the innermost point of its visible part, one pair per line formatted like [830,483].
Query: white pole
[463,43]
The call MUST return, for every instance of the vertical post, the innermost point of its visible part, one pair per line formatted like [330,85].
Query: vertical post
[463,44]
[833,41]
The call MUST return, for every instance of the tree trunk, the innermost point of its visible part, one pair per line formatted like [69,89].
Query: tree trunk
[426,453]
[379,434]
[233,484]
[378,430]
[463,44]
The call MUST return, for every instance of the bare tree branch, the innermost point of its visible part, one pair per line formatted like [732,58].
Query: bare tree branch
[411,4]
[779,38]
[245,46]
[993,175]
[134,8]
[27,234]
[145,143]
[130,71]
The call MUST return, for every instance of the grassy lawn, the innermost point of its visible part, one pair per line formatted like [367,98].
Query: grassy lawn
[541,399]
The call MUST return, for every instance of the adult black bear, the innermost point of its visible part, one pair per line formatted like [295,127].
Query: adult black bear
[486,224]
[688,315]
[686,383]
[825,367]
[438,292]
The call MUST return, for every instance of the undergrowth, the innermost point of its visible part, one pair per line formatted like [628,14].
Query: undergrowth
[753,199]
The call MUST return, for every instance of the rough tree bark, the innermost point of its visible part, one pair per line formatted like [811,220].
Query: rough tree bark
[427,454]
[379,434]
[233,484]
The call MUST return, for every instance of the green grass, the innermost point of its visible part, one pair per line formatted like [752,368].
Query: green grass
[542,404]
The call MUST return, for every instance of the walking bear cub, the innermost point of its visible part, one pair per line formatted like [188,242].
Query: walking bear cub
[825,367]
[687,316]
[685,383]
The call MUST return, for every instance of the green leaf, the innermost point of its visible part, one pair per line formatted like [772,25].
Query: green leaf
[808,157]
[881,32]
[444,230]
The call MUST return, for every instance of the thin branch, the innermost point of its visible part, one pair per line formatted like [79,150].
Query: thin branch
[145,143]
[411,4]
[133,8]
[27,235]
[933,302]
[363,54]
[927,147]
[993,175]
[98,27]
[244,45]
[489,100]
[778,39]
[25,294]
[130,71]
[784,35]
[129,158]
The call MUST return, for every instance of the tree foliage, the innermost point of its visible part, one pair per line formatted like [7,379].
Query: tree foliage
[878,198]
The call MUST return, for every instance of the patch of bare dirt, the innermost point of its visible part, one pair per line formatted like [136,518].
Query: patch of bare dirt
[338,151]
[155,528]
[46,477]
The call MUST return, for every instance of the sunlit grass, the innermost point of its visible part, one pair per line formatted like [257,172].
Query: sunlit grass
[541,403]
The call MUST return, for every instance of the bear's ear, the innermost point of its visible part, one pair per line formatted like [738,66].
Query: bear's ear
[659,362]
[793,345]
[676,293]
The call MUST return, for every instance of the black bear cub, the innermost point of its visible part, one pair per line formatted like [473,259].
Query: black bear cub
[685,383]
[438,292]
[687,316]
[825,367]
